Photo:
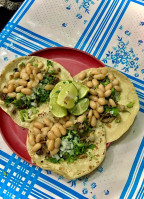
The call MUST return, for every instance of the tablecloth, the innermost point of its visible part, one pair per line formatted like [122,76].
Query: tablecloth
[112,31]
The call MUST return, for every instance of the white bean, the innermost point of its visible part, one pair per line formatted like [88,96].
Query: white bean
[89,84]
[93,121]
[18,89]
[108,87]
[104,71]
[118,88]
[13,94]
[95,82]
[82,75]
[36,131]
[101,87]
[62,130]
[68,124]
[5,90]
[36,147]
[100,93]
[11,88]
[112,103]
[51,145]
[102,101]
[38,125]
[100,109]
[107,93]
[24,76]
[57,143]
[99,76]
[49,87]
[92,91]
[94,98]
[96,114]
[26,91]
[92,104]
[31,140]
[54,152]
[51,135]
[115,82]
[22,82]
[110,76]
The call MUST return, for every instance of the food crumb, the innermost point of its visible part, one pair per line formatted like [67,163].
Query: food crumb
[5,173]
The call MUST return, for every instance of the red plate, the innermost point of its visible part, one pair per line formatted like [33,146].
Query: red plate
[74,61]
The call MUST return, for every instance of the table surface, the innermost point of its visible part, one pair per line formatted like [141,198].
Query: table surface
[112,31]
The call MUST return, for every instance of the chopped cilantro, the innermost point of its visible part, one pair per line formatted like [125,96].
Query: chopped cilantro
[22,112]
[115,95]
[113,111]
[92,156]
[105,81]
[49,63]
[36,65]
[53,160]
[51,71]
[117,121]
[100,125]
[8,100]
[130,105]
[91,146]
[28,115]
[23,64]
[58,91]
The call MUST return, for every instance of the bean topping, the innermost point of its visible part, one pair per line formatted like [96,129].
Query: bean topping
[51,145]
[89,84]
[92,104]
[13,94]
[107,93]
[118,88]
[36,147]
[102,101]
[82,75]
[26,91]
[49,87]
[108,87]
[38,125]
[31,140]
[112,103]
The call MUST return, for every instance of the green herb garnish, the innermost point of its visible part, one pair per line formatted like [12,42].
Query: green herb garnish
[36,65]
[105,81]
[23,64]
[49,63]
[115,95]
[130,105]
[92,156]
[91,146]
[58,91]
[113,110]
[117,121]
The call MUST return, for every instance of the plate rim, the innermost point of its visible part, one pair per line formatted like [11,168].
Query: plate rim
[33,54]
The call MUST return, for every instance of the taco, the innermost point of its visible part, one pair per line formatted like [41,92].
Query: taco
[113,98]
[25,86]
[66,146]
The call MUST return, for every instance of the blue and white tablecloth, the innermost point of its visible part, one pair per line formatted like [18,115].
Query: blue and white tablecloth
[112,31]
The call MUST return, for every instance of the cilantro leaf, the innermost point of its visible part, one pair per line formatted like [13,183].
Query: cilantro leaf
[130,105]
